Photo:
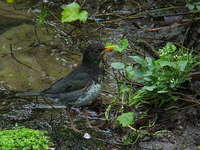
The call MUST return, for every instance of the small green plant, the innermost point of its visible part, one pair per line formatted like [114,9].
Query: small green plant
[151,81]
[134,136]
[158,77]
[42,16]
[145,80]
[192,5]
[72,12]
[126,119]
[23,139]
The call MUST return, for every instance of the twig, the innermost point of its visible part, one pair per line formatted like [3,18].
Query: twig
[121,104]
[190,100]
[167,27]
[18,61]
[186,98]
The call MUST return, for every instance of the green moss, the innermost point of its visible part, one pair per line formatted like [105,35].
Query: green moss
[23,139]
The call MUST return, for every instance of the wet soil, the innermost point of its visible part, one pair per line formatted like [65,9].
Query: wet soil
[32,57]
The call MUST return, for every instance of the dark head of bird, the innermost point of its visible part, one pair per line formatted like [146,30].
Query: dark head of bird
[94,53]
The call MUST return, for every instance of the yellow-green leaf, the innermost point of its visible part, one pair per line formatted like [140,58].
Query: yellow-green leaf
[73,12]
[126,119]
[10,1]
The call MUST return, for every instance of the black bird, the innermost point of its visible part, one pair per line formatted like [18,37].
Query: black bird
[82,85]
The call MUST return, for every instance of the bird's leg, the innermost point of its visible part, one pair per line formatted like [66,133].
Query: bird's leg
[87,115]
[77,110]
[35,102]
[73,127]
[88,123]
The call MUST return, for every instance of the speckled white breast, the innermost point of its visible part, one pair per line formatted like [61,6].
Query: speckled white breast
[91,93]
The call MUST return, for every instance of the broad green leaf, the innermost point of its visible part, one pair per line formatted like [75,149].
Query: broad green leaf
[73,12]
[190,6]
[83,16]
[138,75]
[123,44]
[162,91]
[149,61]
[126,119]
[182,65]
[118,65]
[149,88]
[129,68]
[138,60]
[147,79]
[149,73]
[164,63]
[10,1]
[130,72]
[130,75]
[198,7]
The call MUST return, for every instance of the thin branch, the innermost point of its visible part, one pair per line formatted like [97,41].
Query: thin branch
[18,61]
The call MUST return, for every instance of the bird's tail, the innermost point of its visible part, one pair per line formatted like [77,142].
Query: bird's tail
[29,94]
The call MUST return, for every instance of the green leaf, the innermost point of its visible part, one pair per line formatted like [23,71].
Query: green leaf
[198,7]
[168,50]
[10,1]
[138,75]
[130,72]
[73,12]
[147,79]
[118,65]
[149,88]
[190,6]
[138,60]
[83,16]
[160,92]
[42,16]
[123,44]
[164,63]
[124,89]
[149,61]
[129,68]
[170,46]
[126,119]
[182,65]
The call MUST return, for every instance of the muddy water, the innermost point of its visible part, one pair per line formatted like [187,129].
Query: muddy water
[33,61]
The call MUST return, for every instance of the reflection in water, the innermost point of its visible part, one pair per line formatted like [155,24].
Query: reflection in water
[48,65]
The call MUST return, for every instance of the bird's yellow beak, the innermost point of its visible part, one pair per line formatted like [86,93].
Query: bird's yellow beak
[109,48]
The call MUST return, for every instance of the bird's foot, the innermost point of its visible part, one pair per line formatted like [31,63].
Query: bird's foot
[77,110]
[73,128]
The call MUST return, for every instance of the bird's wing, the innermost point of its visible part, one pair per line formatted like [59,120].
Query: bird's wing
[74,81]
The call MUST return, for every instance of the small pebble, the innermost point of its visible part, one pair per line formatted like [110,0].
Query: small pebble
[87,136]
